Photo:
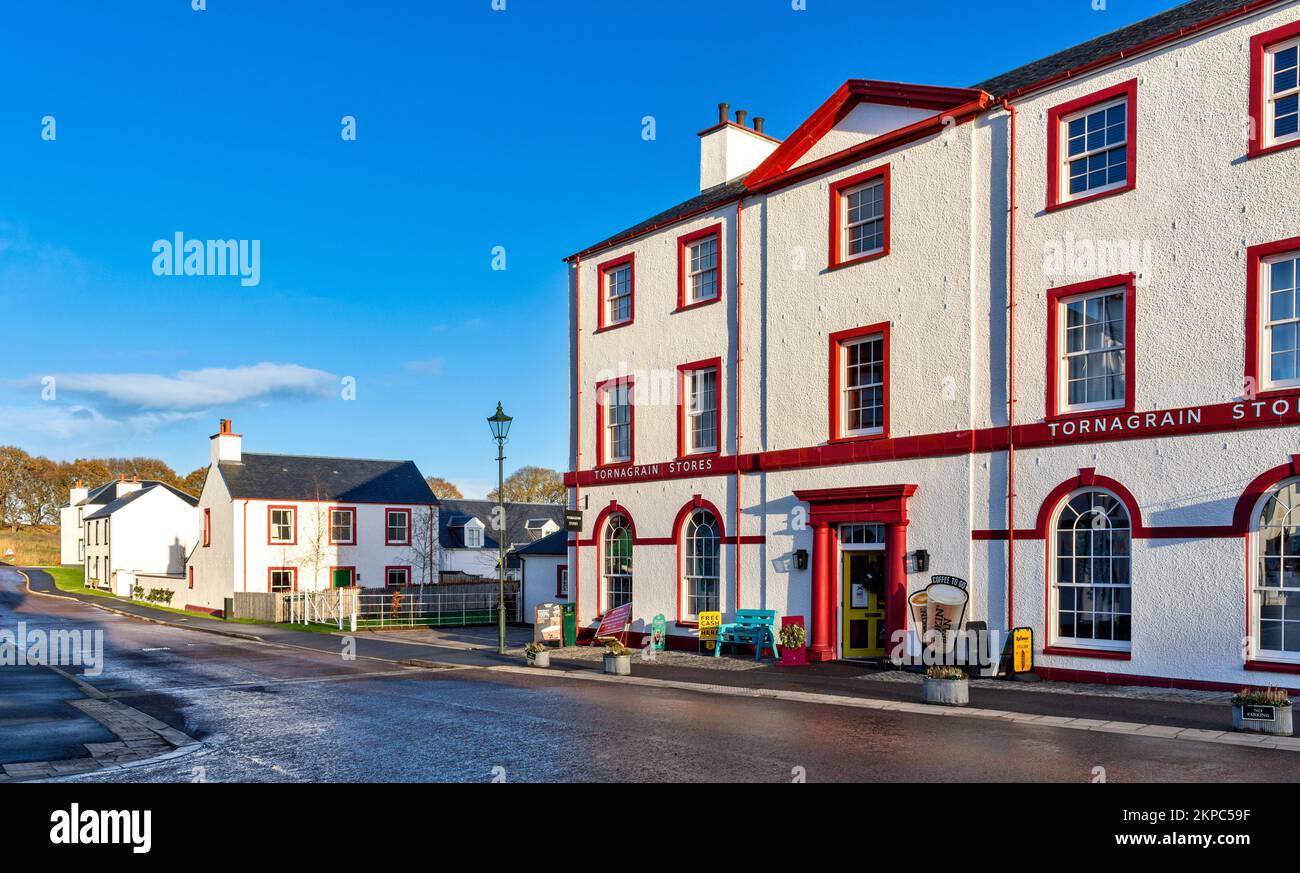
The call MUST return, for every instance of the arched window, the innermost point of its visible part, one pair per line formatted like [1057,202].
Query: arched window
[1092,603]
[616,553]
[701,564]
[1277,575]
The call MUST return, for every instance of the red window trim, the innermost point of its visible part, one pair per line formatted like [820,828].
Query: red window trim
[1259,46]
[679,528]
[292,570]
[1055,297]
[598,534]
[407,513]
[837,339]
[683,370]
[602,388]
[1254,368]
[329,525]
[837,189]
[560,570]
[352,569]
[1055,160]
[684,243]
[291,508]
[601,269]
[191,576]
[406,567]
[1103,654]
[207,531]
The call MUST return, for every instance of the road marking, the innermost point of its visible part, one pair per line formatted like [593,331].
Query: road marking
[157,649]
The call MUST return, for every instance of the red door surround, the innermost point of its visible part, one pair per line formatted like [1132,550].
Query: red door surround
[831,507]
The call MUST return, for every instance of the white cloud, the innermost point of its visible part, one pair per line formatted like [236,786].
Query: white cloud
[51,420]
[191,390]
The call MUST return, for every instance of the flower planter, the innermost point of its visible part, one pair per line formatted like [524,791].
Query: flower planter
[539,659]
[1280,725]
[792,657]
[618,665]
[946,692]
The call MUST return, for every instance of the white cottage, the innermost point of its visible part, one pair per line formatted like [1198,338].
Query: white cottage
[1039,333]
[147,528]
[301,523]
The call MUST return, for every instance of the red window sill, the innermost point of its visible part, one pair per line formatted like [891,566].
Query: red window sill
[687,624]
[861,438]
[1126,409]
[614,465]
[1287,391]
[1066,204]
[1273,666]
[838,265]
[1253,152]
[700,456]
[686,307]
[1102,654]
[608,327]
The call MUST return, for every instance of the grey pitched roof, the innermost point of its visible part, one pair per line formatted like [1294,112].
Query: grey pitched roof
[552,544]
[451,536]
[301,477]
[107,492]
[1126,38]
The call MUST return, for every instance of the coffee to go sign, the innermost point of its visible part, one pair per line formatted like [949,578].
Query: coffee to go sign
[940,607]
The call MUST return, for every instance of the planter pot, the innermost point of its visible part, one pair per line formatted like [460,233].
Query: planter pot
[791,657]
[946,692]
[539,659]
[618,665]
[1280,725]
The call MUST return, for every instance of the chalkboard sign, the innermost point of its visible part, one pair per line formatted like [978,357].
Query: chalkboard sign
[1259,712]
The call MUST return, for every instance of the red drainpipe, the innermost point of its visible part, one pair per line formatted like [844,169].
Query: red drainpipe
[740,284]
[1011,377]
[575,577]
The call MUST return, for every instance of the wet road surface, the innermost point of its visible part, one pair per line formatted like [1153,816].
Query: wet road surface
[273,713]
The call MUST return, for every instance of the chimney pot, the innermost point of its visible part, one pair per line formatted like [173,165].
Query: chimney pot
[758,123]
[121,477]
[740,117]
[225,425]
[723,110]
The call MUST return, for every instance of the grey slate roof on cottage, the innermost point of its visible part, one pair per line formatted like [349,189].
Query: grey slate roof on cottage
[1124,39]
[106,493]
[303,477]
[453,514]
[130,497]
[552,544]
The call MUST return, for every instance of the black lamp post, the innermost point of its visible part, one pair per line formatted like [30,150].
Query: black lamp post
[500,424]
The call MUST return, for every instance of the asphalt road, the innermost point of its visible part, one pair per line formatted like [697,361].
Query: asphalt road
[272,713]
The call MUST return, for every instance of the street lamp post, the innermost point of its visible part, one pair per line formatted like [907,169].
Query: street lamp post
[500,424]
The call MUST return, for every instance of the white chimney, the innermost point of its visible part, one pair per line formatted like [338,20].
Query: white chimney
[126,486]
[77,493]
[226,444]
[730,149]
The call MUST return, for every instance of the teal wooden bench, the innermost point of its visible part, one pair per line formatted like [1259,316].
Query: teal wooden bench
[755,627]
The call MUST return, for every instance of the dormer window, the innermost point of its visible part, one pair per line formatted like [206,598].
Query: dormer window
[473,537]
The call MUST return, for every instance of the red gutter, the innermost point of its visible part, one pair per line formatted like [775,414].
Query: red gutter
[1011,375]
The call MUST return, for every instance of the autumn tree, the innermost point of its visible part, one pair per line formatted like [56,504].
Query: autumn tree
[533,485]
[193,483]
[442,489]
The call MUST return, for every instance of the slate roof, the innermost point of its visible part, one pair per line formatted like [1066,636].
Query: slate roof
[517,515]
[303,477]
[1124,39]
[105,493]
[130,497]
[552,544]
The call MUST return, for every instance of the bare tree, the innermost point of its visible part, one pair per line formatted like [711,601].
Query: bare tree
[423,551]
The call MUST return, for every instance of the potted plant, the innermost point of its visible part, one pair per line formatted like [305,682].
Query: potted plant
[946,686]
[537,654]
[617,660]
[1266,711]
[793,638]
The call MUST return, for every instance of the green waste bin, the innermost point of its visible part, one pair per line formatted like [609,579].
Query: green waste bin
[569,625]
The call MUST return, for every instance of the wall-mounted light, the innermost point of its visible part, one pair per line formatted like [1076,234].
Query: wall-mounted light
[921,560]
[801,559]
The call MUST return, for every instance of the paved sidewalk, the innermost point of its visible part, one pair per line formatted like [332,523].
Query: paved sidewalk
[838,679]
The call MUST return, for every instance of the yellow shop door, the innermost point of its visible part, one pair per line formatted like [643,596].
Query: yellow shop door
[864,604]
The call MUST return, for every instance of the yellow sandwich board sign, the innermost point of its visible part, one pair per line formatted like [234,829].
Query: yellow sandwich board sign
[1022,650]
[709,624]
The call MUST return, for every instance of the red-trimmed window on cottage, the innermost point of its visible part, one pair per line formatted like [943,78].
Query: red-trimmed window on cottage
[1091,590]
[1280,277]
[283,526]
[207,527]
[343,527]
[700,412]
[397,527]
[1093,355]
[1275,89]
[282,579]
[394,576]
[615,401]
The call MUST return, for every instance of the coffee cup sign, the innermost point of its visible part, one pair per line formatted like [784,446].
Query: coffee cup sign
[941,607]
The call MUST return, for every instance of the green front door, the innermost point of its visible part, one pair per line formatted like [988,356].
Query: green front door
[342,577]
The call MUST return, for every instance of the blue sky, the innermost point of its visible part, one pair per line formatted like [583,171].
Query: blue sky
[475,128]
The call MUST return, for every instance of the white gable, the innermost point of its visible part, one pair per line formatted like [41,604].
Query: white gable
[865,121]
